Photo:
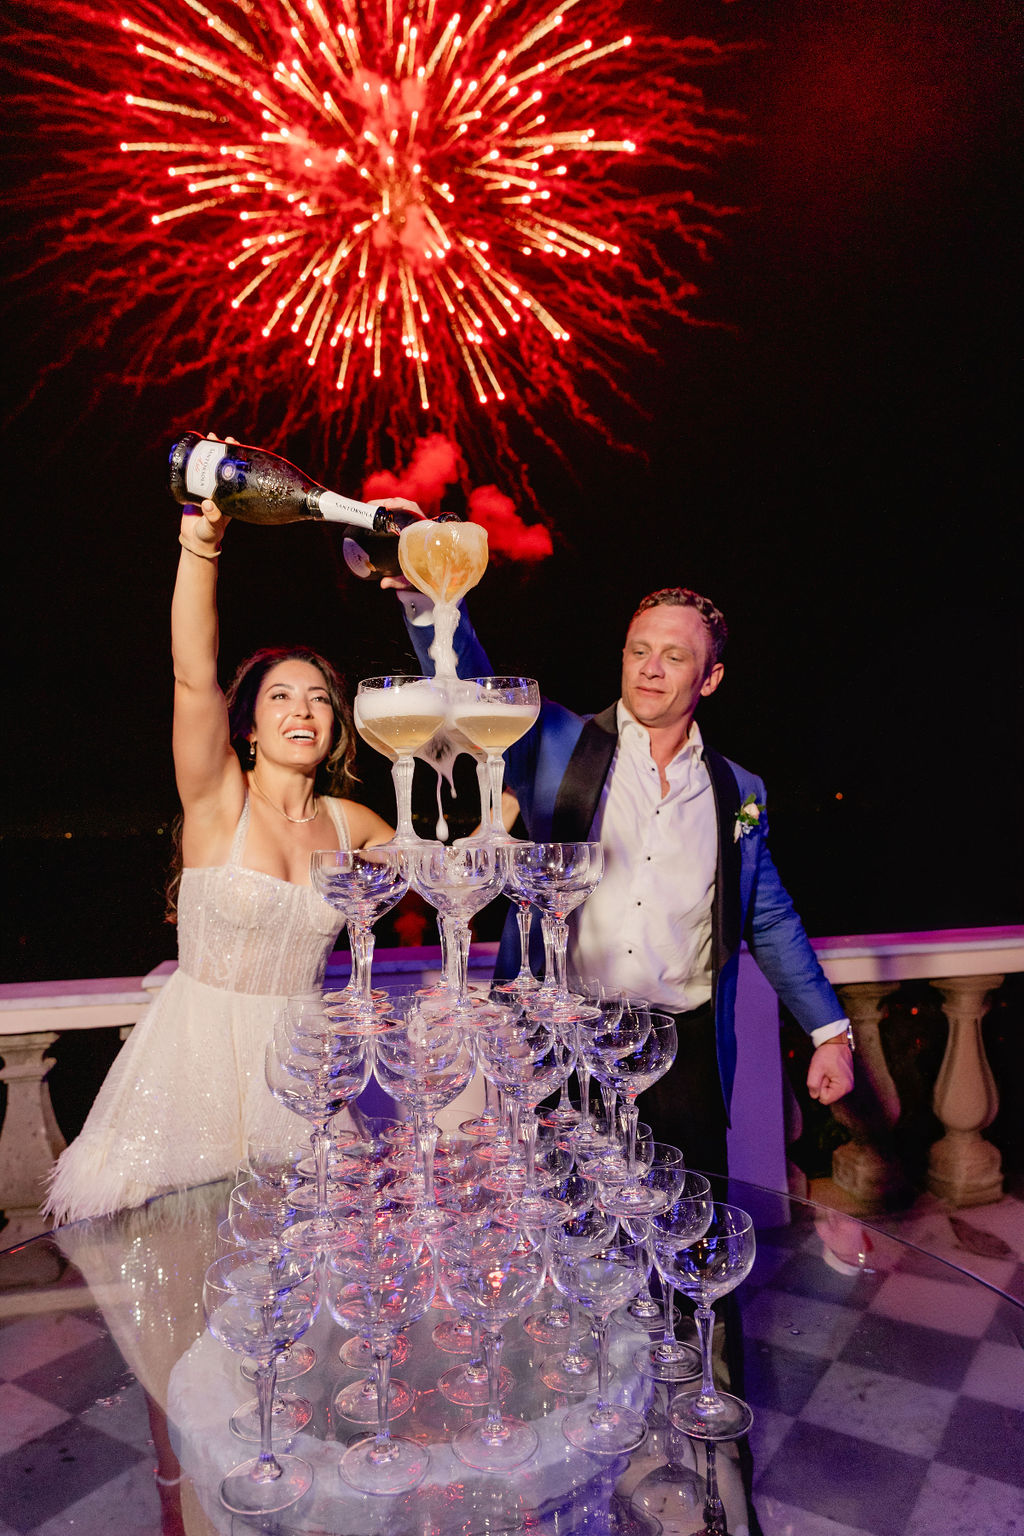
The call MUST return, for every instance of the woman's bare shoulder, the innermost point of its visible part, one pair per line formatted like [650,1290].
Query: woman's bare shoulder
[364,825]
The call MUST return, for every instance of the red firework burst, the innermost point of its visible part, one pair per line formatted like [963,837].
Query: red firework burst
[388,215]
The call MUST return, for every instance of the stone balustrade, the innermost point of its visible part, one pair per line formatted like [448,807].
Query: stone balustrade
[964,965]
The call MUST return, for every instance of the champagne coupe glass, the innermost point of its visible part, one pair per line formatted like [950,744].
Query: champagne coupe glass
[363,884]
[424,1063]
[258,1305]
[317,1086]
[398,716]
[491,1274]
[557,877]
[676,1226]
[707,1268]
[443,558]
[600,1280]
[457,882]
[652,1043]
[256,1217]
[492,713]
[527,1059]
[573,1369]
[524,982]
[381,1287]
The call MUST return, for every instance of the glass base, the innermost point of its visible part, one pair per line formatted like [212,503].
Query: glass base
[550,1326]
[673,1495]
[729,1420]
[244,1494]
[668,1362]
[288,1415]
[358,1402]
[476,1447]
[633,1200]
[652,1321]
[560,1118]
[484,1126]
[358,1356]
[470,1390]
[573,1373]
[394,1467]
[296,1360]
[453,1337]
[611,1430]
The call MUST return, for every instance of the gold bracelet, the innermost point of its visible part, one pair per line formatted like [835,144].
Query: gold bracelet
[195,549]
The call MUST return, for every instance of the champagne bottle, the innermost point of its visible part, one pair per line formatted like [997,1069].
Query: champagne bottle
[260,487]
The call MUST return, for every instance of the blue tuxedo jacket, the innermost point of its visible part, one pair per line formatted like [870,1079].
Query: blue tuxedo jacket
[557,772]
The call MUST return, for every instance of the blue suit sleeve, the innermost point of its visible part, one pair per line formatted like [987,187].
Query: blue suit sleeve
[780,945]
[471,660]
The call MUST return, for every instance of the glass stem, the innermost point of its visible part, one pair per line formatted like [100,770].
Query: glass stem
[321,1143]
[708,1397]
[513,1130]
[714,1509]
[524,915]
[496,771]
[456,956]
[668,1301]
[493,1430]
[483,779]
[600,1325]
[630,1116]
[547,931]
[583,1073]
[267,1468]
[402,770]
[427,1134]
[360,938]
[382,1375]
[529,1188]
[559,950]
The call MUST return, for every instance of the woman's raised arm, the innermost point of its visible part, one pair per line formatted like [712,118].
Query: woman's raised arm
[204,762]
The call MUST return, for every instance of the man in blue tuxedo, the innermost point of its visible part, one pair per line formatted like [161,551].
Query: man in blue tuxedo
[688,871]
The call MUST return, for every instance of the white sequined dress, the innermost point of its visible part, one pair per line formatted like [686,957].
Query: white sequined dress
[187,1090]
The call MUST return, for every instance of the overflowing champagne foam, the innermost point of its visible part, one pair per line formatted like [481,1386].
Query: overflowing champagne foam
[443,561]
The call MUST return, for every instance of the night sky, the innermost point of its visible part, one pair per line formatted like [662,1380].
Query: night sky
[835,460]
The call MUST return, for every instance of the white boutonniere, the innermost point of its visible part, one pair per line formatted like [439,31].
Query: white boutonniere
[748,818]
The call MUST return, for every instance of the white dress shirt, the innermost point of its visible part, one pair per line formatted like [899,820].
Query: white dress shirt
[647,927]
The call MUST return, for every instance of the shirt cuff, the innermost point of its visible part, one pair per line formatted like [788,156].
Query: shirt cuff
[829,1032]
[419,609]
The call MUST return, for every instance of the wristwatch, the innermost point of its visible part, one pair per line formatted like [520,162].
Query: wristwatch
[848,1037]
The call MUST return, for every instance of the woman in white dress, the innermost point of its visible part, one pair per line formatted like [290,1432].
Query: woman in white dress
[255,771]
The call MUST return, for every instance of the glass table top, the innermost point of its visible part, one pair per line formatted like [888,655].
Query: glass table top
[887,1387]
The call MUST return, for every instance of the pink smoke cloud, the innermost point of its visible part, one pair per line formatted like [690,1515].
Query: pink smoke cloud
[507,534]
[435,465]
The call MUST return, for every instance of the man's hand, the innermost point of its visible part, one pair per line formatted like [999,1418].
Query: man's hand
[830,1074]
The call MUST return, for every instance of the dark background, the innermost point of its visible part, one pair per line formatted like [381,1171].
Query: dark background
[835,462]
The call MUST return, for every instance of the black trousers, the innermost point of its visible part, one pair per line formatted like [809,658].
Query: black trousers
[686,1107]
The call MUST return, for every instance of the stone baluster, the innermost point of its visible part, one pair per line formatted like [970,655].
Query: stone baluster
[963,1167]
[866,1167]
[31,1138]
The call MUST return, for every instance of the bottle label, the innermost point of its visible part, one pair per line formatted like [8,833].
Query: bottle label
[201,469]
[339,509]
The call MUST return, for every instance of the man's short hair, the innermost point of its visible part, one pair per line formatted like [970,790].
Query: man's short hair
[682,597]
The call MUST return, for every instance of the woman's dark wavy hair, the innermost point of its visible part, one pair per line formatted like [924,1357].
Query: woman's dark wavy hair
[334,776]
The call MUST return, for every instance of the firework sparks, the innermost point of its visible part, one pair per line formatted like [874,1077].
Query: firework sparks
[393,216]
